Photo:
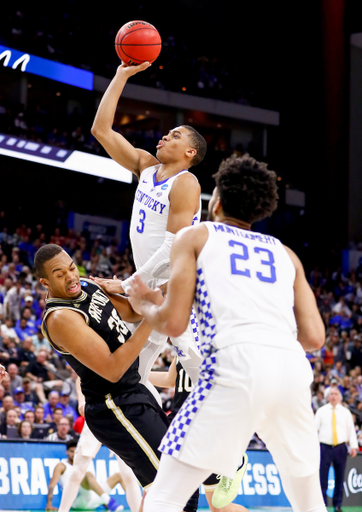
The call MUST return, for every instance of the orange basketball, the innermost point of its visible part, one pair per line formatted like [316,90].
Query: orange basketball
[137,42]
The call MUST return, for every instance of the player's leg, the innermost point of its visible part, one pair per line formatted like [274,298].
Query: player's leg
[175,482]
[89,483]
[130,485]
[288,428]
[304,493]
[86,450]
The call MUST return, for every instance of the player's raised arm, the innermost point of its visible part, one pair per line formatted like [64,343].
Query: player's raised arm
[311,331]
[133,159]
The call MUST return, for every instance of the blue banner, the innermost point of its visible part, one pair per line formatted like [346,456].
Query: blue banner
[26,468]
[47,68]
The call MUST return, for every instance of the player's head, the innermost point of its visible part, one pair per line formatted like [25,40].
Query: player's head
[57,272]
[245,189]
[182,144]
[71,446]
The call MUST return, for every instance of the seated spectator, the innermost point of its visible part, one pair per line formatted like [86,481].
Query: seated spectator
[22,330]
[12,300]
[339,371]
[26,353]
[57,416]
[64,397]
[29,416]
[25,429]
[341,321]
[30,323]
[50,406]
[7,329]
[30,394]
[40,342]
[19,401]
[8,428]
[8,351]
[62,434]
[41,372]
[8,403]
[318,400]
[40,426]
[15,379]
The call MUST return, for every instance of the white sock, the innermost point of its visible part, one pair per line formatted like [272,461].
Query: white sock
[105,498]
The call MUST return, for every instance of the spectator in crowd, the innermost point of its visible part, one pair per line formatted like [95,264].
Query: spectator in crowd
[29,416]
[41,427]
[64,397]
[30,394]
[40,342]
[22,329]
[57,416]
[318,400]
[62,434]
[7,329]
[8,428]
[39,371]
[19,401]
[25,429]
[12,300]
[70,386]
[26,353]
[15,379]
[2,394]
[8,403]
[30,323]
[49,407]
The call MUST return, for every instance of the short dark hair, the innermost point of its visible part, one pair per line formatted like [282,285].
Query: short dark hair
[198,143]
[71,443]
[247,188]
[44,254]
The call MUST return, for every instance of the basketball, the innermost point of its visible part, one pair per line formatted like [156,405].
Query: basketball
[137,42]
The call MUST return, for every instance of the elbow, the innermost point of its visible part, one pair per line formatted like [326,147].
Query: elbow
[317,342]
[95,131]
[175,328]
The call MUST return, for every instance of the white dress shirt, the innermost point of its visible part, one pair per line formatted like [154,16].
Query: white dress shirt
[346,432]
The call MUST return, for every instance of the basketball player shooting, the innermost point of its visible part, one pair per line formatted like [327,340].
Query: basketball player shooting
[256,313]
[167,199]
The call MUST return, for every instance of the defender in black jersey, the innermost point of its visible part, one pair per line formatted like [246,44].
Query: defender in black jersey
[87,327]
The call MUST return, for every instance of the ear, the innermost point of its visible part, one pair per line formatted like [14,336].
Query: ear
[217,207]
[44,282]
[191,152]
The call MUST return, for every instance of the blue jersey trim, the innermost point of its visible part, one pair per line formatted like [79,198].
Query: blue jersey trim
[157,183]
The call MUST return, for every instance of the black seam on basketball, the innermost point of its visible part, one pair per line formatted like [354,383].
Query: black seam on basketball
[135,30]
[153,44]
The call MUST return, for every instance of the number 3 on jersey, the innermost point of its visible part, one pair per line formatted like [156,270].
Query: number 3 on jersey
[141,226]
[244,255]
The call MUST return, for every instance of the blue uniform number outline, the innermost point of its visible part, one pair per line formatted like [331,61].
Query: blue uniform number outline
[244,256]
[141,227]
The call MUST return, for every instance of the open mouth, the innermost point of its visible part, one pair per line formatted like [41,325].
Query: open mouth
[74,288]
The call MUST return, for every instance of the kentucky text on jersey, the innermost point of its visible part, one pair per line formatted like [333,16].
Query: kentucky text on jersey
[264,239]
[148,201]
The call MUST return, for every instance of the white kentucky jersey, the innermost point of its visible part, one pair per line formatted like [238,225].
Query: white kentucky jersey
[244,290]
[64,477]
[150,215]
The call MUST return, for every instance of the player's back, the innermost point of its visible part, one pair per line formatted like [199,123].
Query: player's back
[245,289]
[150,215]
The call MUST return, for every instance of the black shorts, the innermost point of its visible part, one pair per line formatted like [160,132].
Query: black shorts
[131,425]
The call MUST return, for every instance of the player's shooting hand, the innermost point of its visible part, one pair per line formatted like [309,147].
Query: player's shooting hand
[128,71]
[109,285]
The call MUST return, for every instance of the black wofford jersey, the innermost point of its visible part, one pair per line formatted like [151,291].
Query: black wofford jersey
[183,387]
[100,314]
